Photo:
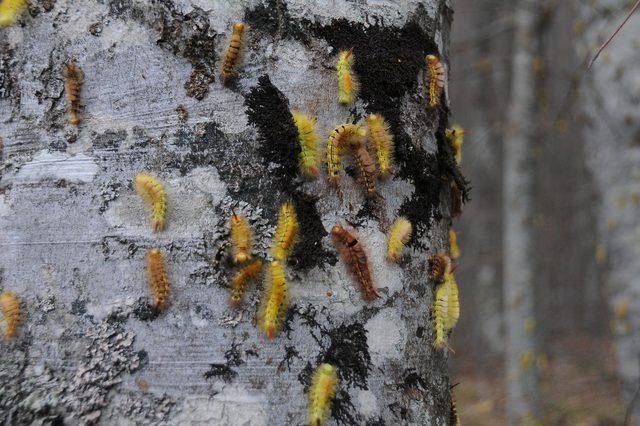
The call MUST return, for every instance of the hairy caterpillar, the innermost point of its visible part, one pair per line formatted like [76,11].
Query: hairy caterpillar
[382,141]
[454,252]
[435,79]
[399,235]
[308,139]
[10,305]
[158,280]
[355,258]
[286,232]
[73,84]
[10,11]
[455,136]
[275,300]
[343,134]
[153,193]
[324,384]
[446,308]
[438,264]
[454,419]
[240,280]
[241,237]
[233,51]
[367,172]
[347,81]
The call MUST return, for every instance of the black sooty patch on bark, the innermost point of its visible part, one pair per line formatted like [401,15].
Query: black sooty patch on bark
[144,311]
[272,17]
[222,371]
[348,351]
[268,110]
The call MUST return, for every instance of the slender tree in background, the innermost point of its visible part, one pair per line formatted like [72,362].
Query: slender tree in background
[74,234]
[520,350]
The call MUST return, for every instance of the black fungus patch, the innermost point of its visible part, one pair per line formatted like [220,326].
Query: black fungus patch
[78,307]
[289,355]
[342,409]
[144,311]
[233,355]
[110,139]
[222,371]
[309,250]
[348,351]
[272,17]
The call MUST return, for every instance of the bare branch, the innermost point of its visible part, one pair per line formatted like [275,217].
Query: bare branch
[606,43]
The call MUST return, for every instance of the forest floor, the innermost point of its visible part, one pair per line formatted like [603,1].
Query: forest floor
[578,387]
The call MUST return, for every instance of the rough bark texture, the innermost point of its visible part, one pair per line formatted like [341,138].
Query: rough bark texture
[520,353]
[610,97]
[74,233]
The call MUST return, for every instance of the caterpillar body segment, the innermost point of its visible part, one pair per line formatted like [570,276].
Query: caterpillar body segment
[381,141]
[347,81]
[446,308]
[286,232]
[324,384]
[10,305]
[158,279]
[454,251]
[233,52]
[275,300]
[367,172]
[152,191]
[308,138]
[435,80]
[73,84]
[355,258]
[10,11]
[343,135]
[240,280]
[455,136]
[399,236]
[241,238]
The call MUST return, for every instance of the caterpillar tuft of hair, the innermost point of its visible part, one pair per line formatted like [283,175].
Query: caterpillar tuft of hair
[324,384]
[455,137]
[241,238]
[367,172]
[354,256]
[381,141]
[308,138]
[437,266]
[446,308]
[275,300]
[454,251]
[286,233]
[347,81]
[158,279]
[10,305]
[399,236]
[343,135]
[240,280]
[435,80]
[152,191]
[454,419]
[233,52]
[10,11]
[73,84]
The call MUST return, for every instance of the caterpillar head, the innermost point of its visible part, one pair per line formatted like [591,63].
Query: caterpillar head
[438,265]
[432,59]
[239,27]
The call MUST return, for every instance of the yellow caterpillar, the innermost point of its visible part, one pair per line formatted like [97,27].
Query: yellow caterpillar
[10,11]
[286,232]
[241,237]
[233,51]
[455,136]
[10,305]
[382,141]
[399,235]
[344,134]
[324,384]
[435,79]
[158,280]
[240,280]
[453,242]
[347,81]
[275,300]
[308,139]
[446,308]
[153,193]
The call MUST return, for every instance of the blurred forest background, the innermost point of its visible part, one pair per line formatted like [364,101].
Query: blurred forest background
[584,146]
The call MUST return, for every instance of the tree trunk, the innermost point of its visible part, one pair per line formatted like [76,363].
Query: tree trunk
[520,354]
[74,233]
[609,96]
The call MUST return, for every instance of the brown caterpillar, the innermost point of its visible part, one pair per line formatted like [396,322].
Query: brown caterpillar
[233,51]
[435,80]
[454,419]
[240,280]
[355,258]
[367,172]
[73,84]
[10,305]
[437,266]
[158,281]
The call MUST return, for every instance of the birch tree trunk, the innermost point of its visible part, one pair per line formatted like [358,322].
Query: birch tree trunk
[74,234]
[610,95]
[520,353]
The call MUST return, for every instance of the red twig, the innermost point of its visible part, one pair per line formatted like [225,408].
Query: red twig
[606,43]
